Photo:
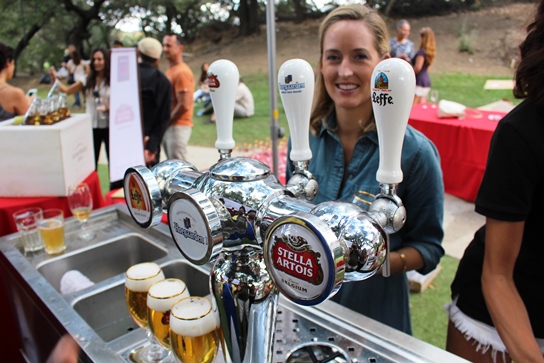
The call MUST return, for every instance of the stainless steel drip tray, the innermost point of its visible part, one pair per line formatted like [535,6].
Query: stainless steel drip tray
[350,337]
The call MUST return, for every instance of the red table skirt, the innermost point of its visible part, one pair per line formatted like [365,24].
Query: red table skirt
[10,205]
[463,146]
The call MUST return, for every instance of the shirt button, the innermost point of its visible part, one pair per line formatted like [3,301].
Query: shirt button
[351,176]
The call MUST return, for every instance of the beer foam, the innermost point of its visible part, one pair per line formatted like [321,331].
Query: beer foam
[162,295]
[193,317]
[140,277]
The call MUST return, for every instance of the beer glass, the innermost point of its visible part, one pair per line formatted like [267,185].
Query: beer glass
[363,199]
[80,201]
[194,330]
[160,298]
[139,279]
[27,221]
[433,97]
[51,229]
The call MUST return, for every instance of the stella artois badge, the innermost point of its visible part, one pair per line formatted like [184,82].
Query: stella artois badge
[304,258]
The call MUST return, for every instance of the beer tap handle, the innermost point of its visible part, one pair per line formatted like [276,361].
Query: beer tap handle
[296,85]
[223,78]
[392,88]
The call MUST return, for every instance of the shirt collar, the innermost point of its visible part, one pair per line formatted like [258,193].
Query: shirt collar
[330,122]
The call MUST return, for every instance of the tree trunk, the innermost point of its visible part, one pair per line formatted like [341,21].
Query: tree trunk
[248,13]
[300,7]
[389,7]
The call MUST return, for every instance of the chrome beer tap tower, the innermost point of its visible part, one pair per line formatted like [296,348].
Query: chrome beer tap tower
[264,237]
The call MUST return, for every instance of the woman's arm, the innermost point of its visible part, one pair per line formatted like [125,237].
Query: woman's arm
[420,60]
[502,245]
[21,102]
[71,89]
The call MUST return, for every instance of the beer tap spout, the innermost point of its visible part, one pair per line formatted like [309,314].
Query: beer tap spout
[302,183]
[388,209]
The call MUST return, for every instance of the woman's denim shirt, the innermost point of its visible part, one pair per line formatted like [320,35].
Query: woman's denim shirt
[421,191]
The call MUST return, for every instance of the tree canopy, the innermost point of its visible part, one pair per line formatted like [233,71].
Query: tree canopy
[40,30]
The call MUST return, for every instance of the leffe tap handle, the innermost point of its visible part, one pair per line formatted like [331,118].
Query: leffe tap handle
[296,85]
[392,88]
[223,78]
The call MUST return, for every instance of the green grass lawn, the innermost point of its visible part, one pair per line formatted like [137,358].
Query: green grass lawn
[428,316]
[429,320]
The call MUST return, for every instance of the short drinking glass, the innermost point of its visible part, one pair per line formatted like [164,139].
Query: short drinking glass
[27,221]
[51,229]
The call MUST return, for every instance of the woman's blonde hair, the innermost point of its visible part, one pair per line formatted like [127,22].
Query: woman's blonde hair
[323,104]
[428,44]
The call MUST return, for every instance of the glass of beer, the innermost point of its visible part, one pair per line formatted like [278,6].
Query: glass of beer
[139,279]
[80,201]
[51,229]
[194,330]
[160,299]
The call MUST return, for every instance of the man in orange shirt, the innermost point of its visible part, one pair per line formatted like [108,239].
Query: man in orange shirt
[182,79]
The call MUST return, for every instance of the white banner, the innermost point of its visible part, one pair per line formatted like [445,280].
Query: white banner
[126,135]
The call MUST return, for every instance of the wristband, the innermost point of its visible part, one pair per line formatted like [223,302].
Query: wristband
[404,262]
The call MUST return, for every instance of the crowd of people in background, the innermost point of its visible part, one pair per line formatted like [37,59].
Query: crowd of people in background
[402,47]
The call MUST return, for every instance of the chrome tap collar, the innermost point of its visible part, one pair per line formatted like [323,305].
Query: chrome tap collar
[239,169]
[359,232]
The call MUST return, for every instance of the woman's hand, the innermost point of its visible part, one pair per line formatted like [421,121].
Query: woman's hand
[53,72]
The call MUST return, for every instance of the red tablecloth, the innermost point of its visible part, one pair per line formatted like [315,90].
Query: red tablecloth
[10,205]
[463,145]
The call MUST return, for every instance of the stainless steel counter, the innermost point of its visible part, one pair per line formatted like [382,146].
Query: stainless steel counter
[99,321]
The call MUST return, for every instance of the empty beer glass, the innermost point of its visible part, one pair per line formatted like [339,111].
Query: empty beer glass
[27,221]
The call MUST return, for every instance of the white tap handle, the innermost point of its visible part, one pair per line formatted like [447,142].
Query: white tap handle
[296,84]
[223,78]
[392,90]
